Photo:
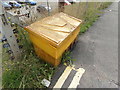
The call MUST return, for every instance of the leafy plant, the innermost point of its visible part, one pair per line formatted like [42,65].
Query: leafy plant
[91,15]
[27,72]
[66,58]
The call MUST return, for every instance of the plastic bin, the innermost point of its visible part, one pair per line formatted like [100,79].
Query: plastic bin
[52,35]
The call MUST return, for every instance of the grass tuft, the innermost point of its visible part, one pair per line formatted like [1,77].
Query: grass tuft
[91,15]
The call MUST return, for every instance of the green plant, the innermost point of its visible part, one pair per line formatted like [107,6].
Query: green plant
[66,58]
[104,5]
[29,71]
[91,15]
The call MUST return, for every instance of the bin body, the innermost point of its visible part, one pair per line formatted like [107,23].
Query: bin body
[52,35]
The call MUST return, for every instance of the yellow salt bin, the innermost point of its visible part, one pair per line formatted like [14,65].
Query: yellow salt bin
[52,35]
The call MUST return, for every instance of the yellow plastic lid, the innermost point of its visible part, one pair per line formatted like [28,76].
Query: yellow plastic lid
[54,28]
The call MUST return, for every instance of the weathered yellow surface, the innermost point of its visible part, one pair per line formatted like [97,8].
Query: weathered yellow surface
[54,34]
[63,77]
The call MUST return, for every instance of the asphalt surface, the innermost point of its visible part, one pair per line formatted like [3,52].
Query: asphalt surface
[97,52]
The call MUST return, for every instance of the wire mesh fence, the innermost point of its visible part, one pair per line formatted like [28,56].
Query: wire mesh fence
[78,9]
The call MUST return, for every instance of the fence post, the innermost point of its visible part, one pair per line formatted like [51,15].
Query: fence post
[8,32]
[61,5]
[86,8]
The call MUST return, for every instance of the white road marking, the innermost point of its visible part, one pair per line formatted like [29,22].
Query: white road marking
[76,78]
[63,77]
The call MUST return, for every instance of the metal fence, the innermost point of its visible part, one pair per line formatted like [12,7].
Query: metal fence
[77,9]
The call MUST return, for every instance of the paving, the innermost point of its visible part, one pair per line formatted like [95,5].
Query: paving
[97,52]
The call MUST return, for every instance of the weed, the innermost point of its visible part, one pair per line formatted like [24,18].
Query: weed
[27,72]
[91,15]
[66,58]
[104,5]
